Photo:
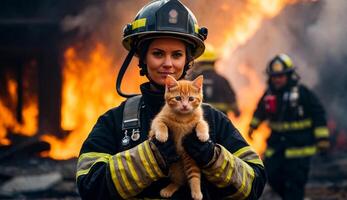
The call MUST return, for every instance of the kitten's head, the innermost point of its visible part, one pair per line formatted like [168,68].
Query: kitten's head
[183,96]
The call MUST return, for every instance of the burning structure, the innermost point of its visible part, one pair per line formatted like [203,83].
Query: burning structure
[56,58]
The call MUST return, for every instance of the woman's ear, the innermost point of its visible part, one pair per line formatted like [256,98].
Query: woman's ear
[170,82]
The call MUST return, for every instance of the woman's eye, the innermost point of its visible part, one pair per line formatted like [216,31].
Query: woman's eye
[177,55]
[191,99]
[157,53]
[178,98]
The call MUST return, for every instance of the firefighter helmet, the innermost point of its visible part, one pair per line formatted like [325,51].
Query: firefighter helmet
[210,54]
[169,18]
[280,64]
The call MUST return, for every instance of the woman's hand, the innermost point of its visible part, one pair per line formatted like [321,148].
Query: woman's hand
[167,151]
[201,152]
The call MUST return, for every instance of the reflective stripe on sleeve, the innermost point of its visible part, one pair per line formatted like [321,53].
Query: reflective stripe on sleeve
[87,160]
[231,170]
[321,132]
[134,169]
[248,154]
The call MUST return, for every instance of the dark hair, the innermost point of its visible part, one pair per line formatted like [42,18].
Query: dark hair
[143,49]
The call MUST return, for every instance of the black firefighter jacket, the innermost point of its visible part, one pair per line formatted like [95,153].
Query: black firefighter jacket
[108,169]
[297,121]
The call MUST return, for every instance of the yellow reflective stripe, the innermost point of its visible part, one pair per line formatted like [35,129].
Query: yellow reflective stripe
[132,170]
[269,152]
[321,132]
[286,60]
[145,162]
[243,193]
[152,159]
[241,151]
[300,152]
[255,121]
[249,186]
[230,171]
[196,28]
[220,170]
[115,179]
[138,23]
[92,155]
[256,161]
[86,171]
[123,175]
[289,126]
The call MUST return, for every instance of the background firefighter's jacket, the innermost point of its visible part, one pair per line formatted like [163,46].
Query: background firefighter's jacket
[217,90]
[108,169]
[297,120]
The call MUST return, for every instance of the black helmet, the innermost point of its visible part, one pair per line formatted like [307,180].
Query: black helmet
[161,18]
[168,18]
[280,64]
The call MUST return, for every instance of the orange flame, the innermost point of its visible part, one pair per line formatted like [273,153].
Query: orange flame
[88,92]
[248,24]
[8,121]
[88,89]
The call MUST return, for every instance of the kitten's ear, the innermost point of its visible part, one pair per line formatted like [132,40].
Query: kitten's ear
[170,82]
[198,81]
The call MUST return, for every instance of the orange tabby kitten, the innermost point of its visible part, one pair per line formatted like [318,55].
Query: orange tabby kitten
[181,114]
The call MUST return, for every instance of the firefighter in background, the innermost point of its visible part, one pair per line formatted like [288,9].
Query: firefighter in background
[298,124]
[217,90]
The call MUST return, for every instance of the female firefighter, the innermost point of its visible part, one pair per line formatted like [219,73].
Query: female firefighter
[117,161]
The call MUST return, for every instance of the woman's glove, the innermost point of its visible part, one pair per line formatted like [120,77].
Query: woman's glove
[201,152]
[167,151]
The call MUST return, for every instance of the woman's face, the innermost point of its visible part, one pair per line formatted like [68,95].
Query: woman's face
[165,56]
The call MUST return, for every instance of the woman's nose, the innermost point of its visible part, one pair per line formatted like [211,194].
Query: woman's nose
[167,62]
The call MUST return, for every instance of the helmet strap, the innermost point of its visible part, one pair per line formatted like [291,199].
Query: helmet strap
[122,71]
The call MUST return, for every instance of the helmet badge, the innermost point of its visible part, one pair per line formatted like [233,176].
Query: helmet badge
[173,14]
[277,67]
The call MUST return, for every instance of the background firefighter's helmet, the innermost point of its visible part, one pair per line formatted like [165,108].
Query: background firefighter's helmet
[168,18]
[210,54]
[280,64]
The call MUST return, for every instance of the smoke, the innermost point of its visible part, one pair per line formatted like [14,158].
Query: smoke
[311,32]
[314,35]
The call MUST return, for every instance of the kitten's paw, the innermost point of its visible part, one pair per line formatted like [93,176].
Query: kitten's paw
[197,195]
[166,192]
[162,137]
[203,136]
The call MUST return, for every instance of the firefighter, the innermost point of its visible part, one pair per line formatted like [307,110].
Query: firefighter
[217,90]
[298,128]
[118,161]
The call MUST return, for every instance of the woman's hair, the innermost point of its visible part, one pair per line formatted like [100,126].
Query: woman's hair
[143,49]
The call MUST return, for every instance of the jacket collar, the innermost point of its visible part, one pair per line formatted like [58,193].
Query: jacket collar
[153,99]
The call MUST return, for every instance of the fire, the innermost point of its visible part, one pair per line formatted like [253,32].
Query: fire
[250,95]
[249,22]
[8,121]
[88,92]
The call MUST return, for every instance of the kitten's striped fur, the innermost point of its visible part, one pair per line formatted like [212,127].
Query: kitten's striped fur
[181,114]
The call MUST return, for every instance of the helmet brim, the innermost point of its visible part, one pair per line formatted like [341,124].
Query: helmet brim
[196,42]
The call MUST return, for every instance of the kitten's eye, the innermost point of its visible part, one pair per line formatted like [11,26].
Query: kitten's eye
[191,99]
[178,98]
